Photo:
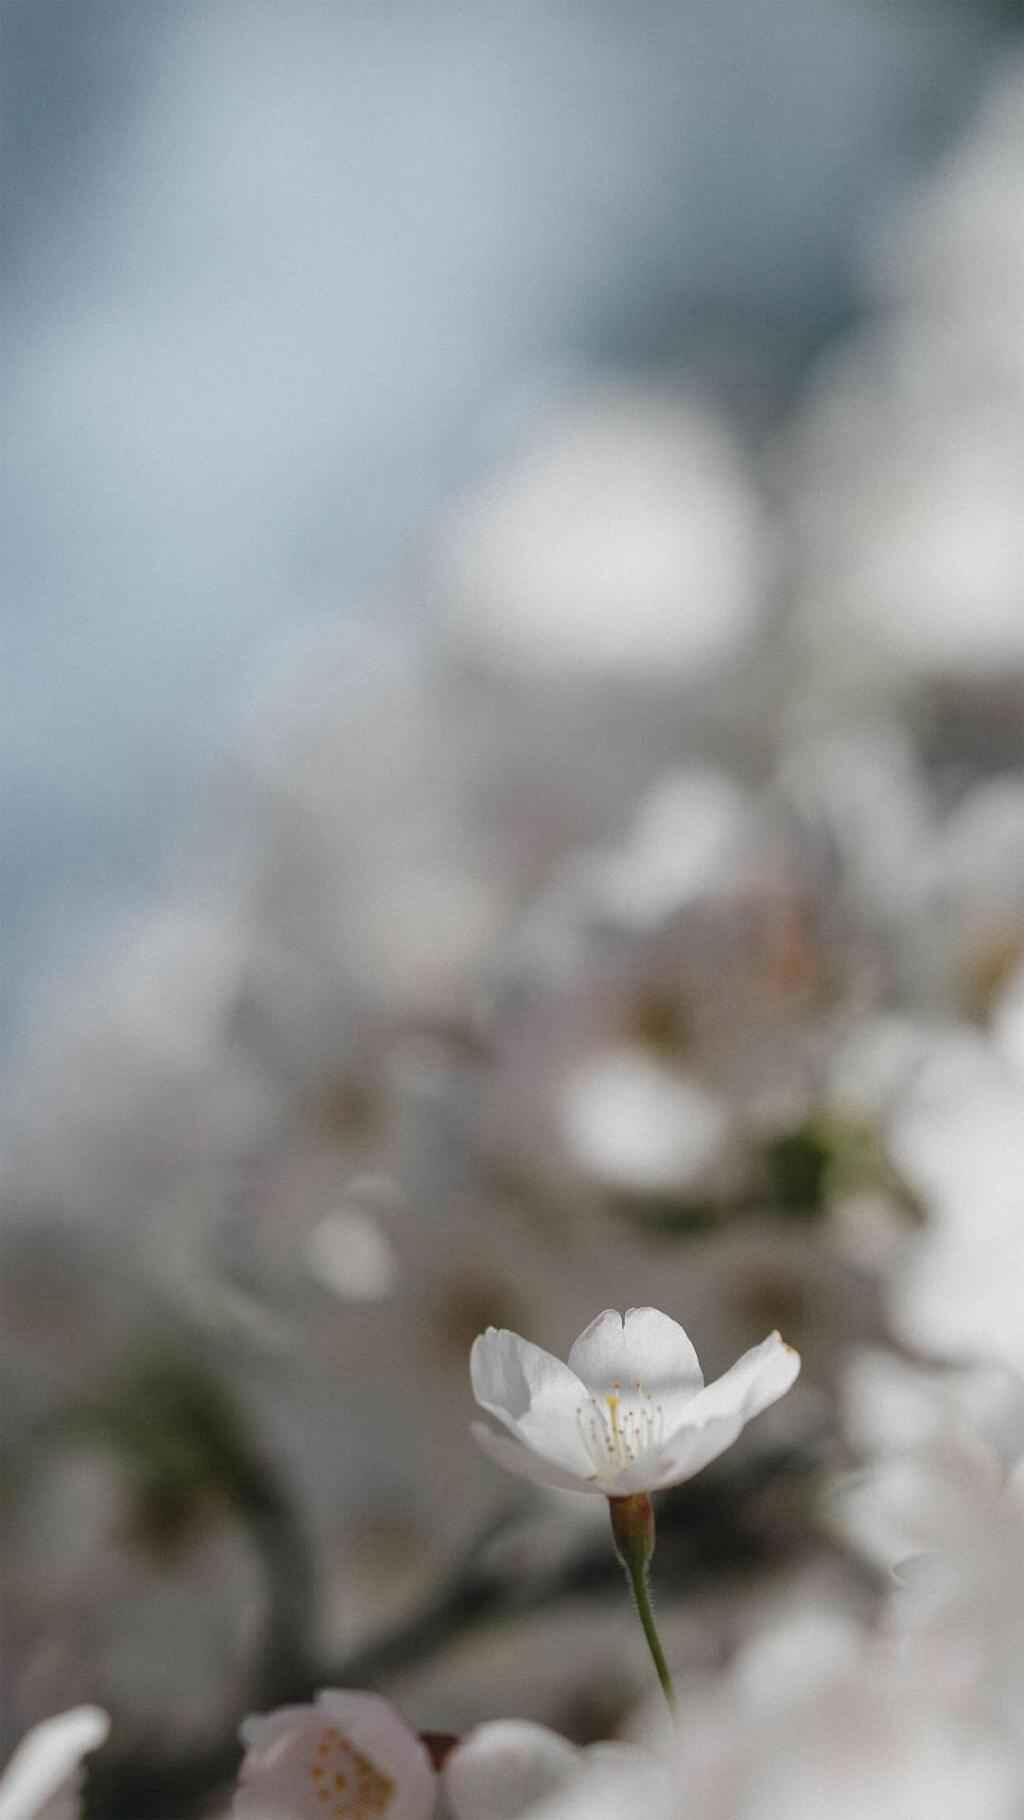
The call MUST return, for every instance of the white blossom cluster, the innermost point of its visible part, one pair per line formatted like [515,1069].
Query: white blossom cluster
[650,929]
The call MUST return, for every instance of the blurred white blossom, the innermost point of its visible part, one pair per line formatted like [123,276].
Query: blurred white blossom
[349,1757]
[41,1781]
[628,543]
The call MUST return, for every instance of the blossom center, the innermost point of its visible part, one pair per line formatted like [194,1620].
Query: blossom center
[347,1783]
[618,1427]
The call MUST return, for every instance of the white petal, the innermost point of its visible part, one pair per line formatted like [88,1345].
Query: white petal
[501,1769]
[614,1785]
[645,1778]
[296,1755]
[635,1123]
[261,1733]
[641,1346]
[690,1450]
[533,1393]
[47,1760]
[518,1458]
[760,1377]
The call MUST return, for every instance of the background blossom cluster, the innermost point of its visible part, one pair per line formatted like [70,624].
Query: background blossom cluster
[633,916]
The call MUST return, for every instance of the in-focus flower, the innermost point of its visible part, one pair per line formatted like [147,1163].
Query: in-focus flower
[630,1412]
[349,1756]
[41,1780]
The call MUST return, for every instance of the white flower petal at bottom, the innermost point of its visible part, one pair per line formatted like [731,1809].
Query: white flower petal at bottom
[42,1776]
[348,1757]
[503,1769]
[616,1782]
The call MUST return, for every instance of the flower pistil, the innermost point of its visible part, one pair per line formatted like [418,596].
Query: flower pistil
[617,1430]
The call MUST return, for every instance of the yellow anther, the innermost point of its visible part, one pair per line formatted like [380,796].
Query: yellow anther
[612,1400]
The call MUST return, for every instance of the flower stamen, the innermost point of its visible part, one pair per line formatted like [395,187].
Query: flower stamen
[356,1788]
[618,1430]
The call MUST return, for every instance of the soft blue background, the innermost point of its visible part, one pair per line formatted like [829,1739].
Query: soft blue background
[269,271]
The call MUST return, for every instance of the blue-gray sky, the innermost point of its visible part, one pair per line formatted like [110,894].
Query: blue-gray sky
[266,272]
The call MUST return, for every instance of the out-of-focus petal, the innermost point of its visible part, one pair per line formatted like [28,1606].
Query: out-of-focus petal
[42,1775]
[502,1769]
[348,1757]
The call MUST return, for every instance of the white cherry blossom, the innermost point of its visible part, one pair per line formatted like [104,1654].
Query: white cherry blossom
[629,1412]
[349,1756]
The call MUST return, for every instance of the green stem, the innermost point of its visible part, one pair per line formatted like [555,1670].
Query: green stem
[633,1530]
[639,1586]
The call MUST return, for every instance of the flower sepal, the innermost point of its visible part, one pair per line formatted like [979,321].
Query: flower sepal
[633,1530]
